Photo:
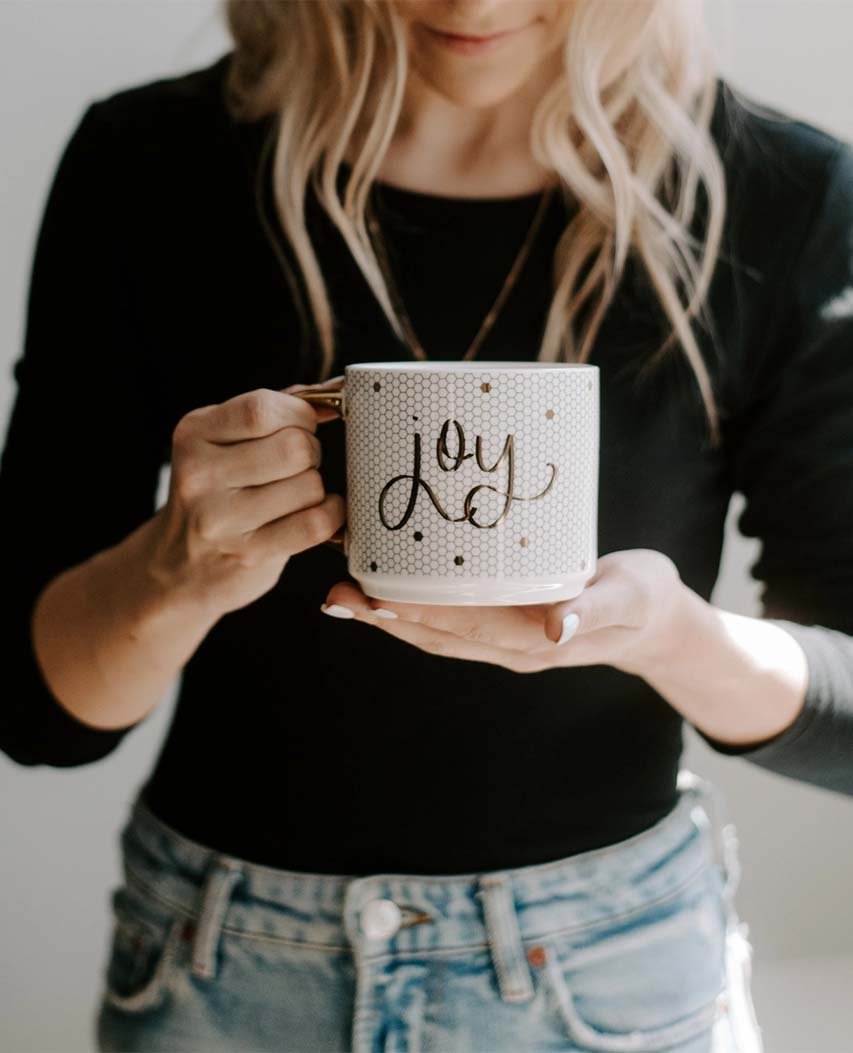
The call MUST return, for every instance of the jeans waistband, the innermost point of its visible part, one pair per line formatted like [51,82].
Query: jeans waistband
[224,893]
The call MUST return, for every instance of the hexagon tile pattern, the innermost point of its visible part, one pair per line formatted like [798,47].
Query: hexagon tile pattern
[553,416]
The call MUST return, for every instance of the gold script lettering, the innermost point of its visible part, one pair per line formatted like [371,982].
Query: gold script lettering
[449,462]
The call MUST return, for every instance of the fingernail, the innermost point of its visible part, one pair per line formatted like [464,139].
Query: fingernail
[570,624]
[337,610]
[383,612]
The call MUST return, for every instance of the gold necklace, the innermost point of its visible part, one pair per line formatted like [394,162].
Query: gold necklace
[488,321]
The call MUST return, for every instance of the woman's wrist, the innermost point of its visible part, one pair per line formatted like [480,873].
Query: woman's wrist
[110,639]
[161,590]
[166,617]
[738,679]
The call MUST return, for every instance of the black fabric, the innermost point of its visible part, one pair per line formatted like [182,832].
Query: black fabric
[312,743]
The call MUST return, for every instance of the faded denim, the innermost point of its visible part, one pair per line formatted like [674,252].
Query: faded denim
[633,947]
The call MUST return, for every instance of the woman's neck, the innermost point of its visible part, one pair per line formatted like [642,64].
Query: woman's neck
[413,168]
[442,147]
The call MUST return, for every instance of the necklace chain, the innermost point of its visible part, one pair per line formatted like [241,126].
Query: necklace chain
[486,326]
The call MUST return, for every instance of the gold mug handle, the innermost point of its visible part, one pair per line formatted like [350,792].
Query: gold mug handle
[330,397]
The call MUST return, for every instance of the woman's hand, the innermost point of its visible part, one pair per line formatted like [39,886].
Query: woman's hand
[627,617]
[244,495]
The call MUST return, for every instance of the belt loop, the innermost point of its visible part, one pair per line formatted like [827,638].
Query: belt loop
[730,861]
[504,935]
[221,878]
[723,832]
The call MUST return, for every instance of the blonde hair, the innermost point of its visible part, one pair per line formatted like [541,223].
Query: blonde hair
[625,127]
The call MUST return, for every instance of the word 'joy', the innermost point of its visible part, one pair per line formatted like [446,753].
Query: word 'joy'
[450,462]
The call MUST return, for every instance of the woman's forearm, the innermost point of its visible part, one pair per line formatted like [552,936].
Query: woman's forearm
[111,638]
[738,679]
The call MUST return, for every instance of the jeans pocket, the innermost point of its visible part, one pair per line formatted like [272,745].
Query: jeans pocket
[143,957]
[645,983]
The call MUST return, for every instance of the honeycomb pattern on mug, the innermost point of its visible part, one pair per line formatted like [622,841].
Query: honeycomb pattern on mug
[538,432]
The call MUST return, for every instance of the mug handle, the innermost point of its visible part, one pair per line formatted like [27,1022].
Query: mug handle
[330,397]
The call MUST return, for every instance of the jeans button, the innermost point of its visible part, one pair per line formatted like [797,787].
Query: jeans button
[380,918]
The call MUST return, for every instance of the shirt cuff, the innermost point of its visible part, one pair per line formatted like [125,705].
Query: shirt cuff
[818,746]
[37,729]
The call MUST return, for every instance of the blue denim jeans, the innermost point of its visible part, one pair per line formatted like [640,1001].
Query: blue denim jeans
[631,947]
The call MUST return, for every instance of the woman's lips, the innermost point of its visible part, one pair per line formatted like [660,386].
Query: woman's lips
[469,45]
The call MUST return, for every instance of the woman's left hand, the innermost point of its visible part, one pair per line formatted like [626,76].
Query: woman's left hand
[628,614]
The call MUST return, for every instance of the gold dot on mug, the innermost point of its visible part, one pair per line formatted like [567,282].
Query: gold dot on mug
[485,387]
[549,414]
[377,386]
[523,542]
[458,560]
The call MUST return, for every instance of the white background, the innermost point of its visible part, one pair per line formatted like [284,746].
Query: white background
[58,828]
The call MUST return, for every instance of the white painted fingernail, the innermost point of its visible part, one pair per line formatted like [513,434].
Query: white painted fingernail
[337,610]
[570,624]
[383,612]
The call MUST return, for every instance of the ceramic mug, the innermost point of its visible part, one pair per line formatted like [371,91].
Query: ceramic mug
[469,482]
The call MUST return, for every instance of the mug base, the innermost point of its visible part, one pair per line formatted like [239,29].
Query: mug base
[482,592]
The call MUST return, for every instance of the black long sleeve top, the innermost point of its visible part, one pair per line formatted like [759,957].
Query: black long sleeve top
[306,742]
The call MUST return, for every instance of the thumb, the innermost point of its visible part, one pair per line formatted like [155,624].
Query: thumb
[600,604]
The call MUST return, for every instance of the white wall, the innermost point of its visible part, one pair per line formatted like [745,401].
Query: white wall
[59,827]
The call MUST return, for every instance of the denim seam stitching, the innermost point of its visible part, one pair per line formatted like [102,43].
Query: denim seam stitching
[673,893]
[242,933]
[249,935]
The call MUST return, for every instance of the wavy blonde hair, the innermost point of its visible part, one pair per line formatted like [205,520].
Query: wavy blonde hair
[625,127]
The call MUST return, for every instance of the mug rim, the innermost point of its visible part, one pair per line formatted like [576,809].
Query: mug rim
[454,366]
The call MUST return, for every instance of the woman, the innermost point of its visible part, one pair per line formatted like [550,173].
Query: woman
[431,827]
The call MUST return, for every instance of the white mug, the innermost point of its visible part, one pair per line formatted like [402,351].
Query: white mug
[469,482]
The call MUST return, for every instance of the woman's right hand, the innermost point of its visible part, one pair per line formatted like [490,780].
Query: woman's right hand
[245,494]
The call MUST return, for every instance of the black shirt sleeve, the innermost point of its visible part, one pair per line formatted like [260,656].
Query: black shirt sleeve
[791,454]
[80,463]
